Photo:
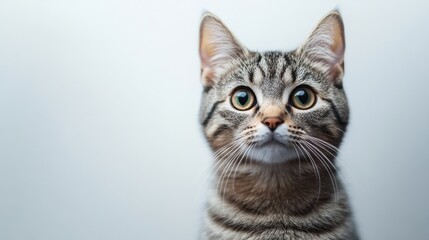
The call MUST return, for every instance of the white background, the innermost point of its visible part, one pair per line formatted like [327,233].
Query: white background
[99,134]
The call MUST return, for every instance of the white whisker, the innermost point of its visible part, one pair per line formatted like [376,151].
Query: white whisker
[313,163]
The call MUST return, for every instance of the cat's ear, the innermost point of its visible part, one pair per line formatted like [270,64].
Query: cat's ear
[325,47]
[218,48]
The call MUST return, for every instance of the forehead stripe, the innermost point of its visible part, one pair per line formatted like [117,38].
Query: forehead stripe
[283,69]
[262,65]
[250,75]
[293,74]
[258,76]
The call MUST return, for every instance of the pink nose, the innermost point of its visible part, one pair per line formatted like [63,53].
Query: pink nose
[272,122]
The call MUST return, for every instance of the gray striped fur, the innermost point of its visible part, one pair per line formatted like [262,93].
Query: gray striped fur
[287,188]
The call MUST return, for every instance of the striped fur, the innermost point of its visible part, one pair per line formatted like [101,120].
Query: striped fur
[282,183]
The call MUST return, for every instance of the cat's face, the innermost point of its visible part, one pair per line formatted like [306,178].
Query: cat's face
[273,106]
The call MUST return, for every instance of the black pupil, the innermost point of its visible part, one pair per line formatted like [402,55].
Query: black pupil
[302,96]
[242,97]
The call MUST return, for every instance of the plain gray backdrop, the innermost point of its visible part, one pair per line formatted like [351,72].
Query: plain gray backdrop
[99,134]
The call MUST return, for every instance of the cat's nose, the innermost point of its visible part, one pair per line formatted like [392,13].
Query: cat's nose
[272,122]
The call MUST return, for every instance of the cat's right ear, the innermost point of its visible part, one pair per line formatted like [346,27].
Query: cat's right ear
[218,48]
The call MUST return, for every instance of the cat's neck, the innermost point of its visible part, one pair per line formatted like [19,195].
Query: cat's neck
[292,187]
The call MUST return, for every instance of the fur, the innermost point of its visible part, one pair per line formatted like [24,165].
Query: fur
[277,183]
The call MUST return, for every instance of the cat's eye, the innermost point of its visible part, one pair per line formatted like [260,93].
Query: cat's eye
[303,97]
[243,98]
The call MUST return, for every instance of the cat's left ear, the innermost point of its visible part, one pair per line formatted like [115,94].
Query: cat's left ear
[325,47]
[218,48]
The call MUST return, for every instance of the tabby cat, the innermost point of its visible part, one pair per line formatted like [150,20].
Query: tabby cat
[274,121]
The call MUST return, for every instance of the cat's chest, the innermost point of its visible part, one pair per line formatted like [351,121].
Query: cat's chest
[226,219]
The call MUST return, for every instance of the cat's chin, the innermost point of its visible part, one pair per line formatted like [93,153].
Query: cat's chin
[272,152]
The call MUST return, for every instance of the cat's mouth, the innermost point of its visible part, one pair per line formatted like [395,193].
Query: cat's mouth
[274,139]
[272,149]
[273,143]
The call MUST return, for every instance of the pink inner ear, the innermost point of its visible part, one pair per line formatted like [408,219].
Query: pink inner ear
[338,42]
[206,48]
[337,48]
[326,45]
[205,60]
[217,48]
[207,52]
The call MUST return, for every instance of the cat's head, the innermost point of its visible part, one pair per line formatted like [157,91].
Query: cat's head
[273,106]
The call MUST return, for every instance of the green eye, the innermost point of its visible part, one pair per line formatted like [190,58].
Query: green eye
[243,99]
[303,98]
